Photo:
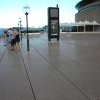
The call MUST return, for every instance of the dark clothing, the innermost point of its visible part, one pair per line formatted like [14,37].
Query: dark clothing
[17,39]
[7,35]
[13,42]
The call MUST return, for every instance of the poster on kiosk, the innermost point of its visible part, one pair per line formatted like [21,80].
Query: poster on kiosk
[53,23]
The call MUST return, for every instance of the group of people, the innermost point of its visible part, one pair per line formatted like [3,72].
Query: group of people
[12,39]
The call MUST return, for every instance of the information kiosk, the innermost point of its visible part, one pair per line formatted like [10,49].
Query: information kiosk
[53,23]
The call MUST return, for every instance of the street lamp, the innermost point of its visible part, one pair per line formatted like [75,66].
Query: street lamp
[20,20]
[26,11]
[18,25]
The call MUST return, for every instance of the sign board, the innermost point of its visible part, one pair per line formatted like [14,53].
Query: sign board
[54,12]
[53,23]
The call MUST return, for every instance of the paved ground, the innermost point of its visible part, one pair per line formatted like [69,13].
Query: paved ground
[64,70]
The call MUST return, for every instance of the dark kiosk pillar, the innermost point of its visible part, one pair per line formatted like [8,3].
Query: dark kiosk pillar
[53,23]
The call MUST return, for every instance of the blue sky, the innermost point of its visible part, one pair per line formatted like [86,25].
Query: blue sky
[12,10]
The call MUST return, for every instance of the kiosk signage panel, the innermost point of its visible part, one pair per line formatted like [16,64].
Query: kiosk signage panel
[53,23]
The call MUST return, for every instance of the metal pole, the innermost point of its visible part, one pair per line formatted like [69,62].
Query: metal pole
[18,26]
[20,30]
[84,28]
[28,49]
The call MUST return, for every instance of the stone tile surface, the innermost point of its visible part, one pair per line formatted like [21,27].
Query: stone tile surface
[64,70]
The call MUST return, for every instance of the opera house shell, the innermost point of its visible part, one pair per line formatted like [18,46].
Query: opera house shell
[88,10]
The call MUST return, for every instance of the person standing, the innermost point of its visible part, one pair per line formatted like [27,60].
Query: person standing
[10,38]
[17,38]
[5,38]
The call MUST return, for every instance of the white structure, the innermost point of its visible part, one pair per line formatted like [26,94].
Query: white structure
[80,26]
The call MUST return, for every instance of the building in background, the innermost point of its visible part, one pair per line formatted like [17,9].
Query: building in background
[88,11]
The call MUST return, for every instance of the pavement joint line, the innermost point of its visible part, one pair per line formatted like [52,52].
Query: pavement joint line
[28,77]
[2,55]
[65,77]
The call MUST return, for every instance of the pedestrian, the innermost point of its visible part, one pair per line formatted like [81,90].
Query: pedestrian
[5,38]
[11,39]
[17,39]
